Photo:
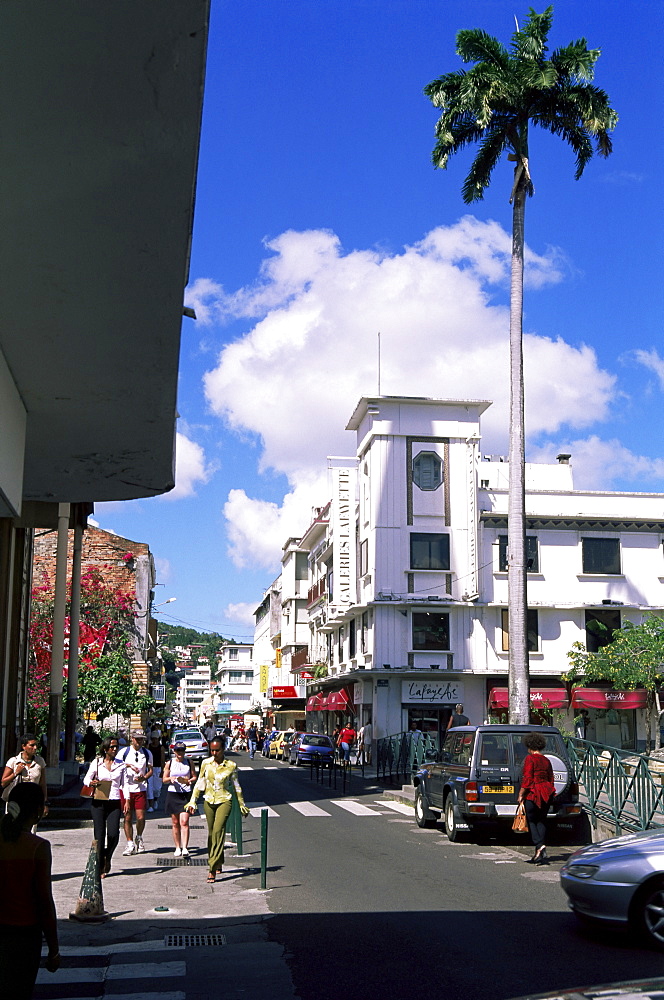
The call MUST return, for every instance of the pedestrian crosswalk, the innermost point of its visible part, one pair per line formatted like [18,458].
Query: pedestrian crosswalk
[311,810]
[81,967]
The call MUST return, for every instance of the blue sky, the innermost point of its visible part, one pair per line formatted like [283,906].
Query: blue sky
[320,221]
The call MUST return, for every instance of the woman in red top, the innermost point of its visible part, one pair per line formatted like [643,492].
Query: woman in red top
[537,791]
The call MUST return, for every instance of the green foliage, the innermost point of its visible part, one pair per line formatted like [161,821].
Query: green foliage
[635,658]
[506,90]
[181,635]
[107,688]
[320,670]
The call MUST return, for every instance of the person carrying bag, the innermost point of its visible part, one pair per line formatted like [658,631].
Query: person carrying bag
[102,784]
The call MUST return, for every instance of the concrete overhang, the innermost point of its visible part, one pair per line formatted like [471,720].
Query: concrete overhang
[100,113]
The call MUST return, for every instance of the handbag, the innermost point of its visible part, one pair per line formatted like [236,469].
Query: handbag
[520,824]
[87,791]
[102,790]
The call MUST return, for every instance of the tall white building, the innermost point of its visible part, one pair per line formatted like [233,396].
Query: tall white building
[407,588]
[234,683]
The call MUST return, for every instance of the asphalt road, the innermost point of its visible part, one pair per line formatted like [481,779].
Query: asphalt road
[366,903]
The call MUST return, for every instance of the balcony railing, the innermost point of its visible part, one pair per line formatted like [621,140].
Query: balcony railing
[316,592]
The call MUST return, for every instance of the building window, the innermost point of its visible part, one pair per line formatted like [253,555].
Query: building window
[235,675]
[532,554]
[532,629]
[429,551]
[601,555]
[431,630]
[233,654]
[600,626]
[351,638]
[340,645]
[427,470]
[365,632]
[364,557]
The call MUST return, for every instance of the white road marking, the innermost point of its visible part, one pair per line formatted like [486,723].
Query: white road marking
[255,810]
[308,809]
[142,970]
[399,807]
[175,995]
[245,767]
[356,808]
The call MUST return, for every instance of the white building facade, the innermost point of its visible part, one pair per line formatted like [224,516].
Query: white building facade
[407,579]
[234,682]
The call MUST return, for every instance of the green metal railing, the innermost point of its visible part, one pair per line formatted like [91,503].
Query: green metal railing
[618,787]
[399,755]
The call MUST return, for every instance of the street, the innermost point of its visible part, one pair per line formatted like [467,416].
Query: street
[359,900]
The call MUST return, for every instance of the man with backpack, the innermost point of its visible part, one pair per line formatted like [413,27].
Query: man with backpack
[139,764]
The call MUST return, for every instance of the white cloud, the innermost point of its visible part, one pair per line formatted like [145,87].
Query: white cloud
[599,465]
[652,361]
[294,379]
[258,529]
[163,568]
[241,613]
[190,468]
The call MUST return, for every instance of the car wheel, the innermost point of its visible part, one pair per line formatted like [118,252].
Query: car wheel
[649,912]
[423,815]
[451,828]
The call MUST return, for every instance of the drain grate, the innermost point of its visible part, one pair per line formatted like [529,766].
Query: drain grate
[181,862]
[194,940]
[167,826]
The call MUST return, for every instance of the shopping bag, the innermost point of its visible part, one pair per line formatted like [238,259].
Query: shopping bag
[520,824]
[87,791]
[102,790]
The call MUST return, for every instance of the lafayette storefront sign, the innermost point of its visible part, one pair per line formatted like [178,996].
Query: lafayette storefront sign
[539,697]
[431,692]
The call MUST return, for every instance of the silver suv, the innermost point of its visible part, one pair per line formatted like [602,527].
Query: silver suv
[476,777]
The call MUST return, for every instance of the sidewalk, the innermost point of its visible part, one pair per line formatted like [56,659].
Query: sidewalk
[222,925]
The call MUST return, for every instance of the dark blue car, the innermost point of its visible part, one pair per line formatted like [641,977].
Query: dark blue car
[308,747]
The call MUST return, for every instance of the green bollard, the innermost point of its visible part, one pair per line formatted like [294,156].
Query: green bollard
[263,848]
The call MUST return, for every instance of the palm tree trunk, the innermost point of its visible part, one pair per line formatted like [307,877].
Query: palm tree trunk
[519,680]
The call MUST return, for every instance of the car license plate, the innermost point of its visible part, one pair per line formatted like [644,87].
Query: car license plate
[497,789]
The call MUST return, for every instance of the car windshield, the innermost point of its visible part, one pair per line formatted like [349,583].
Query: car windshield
[187,736]
[317,741]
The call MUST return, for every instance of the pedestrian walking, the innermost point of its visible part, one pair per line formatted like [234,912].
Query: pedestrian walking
[106,775]
[365,741]
[536,792]
[134,795]
[457,718]
[154,781]
[252,740]
[91,741]
[27,765]
[179,776]
[347,738]
[217,783]
[210,731]
[27,910]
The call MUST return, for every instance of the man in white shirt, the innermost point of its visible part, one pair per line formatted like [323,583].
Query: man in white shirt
[138,761]
[365,741]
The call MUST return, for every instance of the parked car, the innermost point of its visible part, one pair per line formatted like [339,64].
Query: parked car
[620,882]
[197,745]
[311,746]
[632,989]
[276,745]
[476,777]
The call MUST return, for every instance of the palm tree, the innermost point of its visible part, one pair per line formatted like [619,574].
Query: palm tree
[494,104]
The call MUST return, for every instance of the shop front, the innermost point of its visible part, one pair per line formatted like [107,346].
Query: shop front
[430,704]
[288,708]
[329,711]
[548,705]
[608,717]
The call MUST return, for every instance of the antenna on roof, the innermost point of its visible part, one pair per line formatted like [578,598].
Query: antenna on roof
[379,362]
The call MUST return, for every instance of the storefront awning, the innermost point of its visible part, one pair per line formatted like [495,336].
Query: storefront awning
[314,702]
[539,698]
[339,701]
[588,697]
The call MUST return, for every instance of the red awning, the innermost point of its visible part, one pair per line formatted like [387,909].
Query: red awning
[539,698]
[339,701]
[315,702]
[588,697]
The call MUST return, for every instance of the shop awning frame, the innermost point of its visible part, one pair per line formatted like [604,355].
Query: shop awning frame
[594,697]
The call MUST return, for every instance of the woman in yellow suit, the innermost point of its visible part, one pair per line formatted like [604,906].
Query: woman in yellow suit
[214,783]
